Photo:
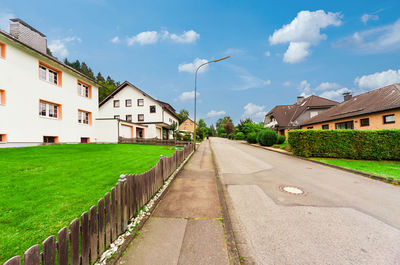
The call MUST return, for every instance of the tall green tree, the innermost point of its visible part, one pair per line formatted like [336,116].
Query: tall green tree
[201,123]
[183,114]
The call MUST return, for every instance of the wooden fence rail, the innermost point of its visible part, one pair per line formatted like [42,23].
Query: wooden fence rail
[87,237]
[153,141]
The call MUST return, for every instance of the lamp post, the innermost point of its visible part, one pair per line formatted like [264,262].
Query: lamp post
[195,94]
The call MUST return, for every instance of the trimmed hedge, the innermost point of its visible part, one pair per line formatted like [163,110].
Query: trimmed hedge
[251,138]
[353,144]
[281,139]
[267,137]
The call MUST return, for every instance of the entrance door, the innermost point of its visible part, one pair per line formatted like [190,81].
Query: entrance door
[139,133]
[165,133]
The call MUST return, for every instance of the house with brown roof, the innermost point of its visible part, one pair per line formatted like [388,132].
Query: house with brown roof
[283,118]
[188,126]
[376,109]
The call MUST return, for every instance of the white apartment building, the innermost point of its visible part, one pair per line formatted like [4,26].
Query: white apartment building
[148,117]
[42,99]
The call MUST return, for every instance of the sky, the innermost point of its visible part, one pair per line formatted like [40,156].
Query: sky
[278,50]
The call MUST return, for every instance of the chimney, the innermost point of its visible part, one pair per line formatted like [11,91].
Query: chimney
[28,35]
[347,96]
[299,100]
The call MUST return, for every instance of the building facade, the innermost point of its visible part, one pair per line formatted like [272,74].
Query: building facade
[187,126]
[150,118]
[376,109]
[42,99]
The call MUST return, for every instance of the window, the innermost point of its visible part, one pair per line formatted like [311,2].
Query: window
[128,117]
[364,122]
[2,97]
[186,123]
[84,90]
[116,103]
[49,74]
[140,102]
[84,117]
[140,117]
[325,127]
[388,119]
[50,110]
[116,116]
[128,103]
[2,50]
[313,114]
[85,140]
[344,125]
[50,139]
[3,138]
[153,109]
[310,127]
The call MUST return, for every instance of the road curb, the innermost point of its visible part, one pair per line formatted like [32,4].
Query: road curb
[130,238]
[371,176]
[233,252]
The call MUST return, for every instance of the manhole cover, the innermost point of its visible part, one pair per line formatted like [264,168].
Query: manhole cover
[292,190]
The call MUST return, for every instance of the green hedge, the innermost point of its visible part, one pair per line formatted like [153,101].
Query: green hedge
[353,144]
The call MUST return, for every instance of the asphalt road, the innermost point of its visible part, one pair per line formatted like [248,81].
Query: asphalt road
[341,218]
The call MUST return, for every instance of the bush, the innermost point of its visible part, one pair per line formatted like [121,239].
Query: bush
[239,136]
[281,139]
[231,136]
[187,137]
[353,144]
[252,138]
[267,137]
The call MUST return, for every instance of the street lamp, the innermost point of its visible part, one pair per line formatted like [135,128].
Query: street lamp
[195,94]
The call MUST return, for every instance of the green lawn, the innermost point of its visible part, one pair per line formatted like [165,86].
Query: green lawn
[44,188]
[282,145]
[388,169]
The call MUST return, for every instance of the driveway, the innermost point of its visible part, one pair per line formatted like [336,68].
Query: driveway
[340,218]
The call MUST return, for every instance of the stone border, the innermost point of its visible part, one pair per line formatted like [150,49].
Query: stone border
[118,247]
[233,252]
[371,176]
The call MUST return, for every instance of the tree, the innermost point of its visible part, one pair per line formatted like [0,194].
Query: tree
[183,114]
[229,127]
[213,131]
[223,120]
[99,78]
[48,51]
[201,123]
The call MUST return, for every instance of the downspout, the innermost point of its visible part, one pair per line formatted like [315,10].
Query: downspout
[118,128]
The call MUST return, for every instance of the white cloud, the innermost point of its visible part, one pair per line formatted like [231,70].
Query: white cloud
[144,38]
[327,85]
[5,17]
[305,88]
[214,114]
[267,53]
[191,67]
[367,17]
[296,52]
[115,40]
[190,36]
[59,46]
[253,111]
[247,79]
[377,40]
[267,82]
[287,83]
[378,80]
[304,31]
[186,96]
[336,94]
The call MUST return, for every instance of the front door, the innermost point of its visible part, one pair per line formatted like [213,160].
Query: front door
[139,133]
[165,133]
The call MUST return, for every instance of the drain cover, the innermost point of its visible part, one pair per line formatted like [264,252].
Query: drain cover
[292,190]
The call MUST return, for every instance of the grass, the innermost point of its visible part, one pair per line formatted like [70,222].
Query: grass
[282,145]
[387,169]
[44,188]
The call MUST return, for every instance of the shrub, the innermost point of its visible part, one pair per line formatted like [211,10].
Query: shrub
[267,137]
[252,138]
[231,136]
[354,144]
[239,136]
[281,139]
[187,137]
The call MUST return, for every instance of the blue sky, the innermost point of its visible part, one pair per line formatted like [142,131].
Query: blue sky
[278,50]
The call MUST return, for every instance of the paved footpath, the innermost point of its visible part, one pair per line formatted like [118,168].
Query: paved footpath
[341,218]
[186,226]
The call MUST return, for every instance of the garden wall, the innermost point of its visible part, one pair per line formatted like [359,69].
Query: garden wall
[87,237]
[352,144]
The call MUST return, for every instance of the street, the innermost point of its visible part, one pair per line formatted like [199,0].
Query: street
[287,210]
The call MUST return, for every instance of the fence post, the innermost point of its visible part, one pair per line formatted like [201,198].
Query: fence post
[62,246]
[13,261]
[93,234]
[32,256]
[74,227]
[49,251]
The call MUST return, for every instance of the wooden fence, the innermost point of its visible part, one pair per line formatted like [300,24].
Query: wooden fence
[88,236]
[153,141]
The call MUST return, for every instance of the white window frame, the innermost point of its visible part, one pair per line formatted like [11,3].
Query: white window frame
[126,117]
[49,110]
[116,101]
[139,116]
[83,90]
[49,75]
[83,117]
[142,102]
[126,103]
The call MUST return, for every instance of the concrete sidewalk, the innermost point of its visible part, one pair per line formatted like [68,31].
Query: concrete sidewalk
[186,227]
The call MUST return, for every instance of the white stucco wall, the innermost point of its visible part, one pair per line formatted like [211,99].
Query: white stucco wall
[107,131]
[19,117]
